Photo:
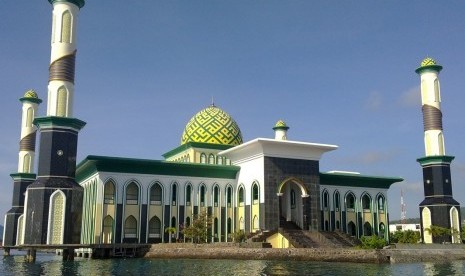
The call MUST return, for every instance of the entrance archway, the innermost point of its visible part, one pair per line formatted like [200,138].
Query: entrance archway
[292,193]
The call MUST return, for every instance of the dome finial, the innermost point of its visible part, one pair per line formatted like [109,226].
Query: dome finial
[213,102]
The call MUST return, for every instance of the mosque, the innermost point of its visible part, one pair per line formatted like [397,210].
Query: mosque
[262,185]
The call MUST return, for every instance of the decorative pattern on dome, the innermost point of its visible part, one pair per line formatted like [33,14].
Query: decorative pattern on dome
[280,123]
[31,94]
[428,61]
[212,125]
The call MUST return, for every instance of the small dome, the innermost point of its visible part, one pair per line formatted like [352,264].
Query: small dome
[212,125]
[428,61]
[280,124]
[31,94]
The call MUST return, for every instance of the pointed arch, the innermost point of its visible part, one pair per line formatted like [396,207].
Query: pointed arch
[325,199]
[337,200]
[130,228]
[203,158]
[216,195]
[367,229]
[229,196]
[56,218]
[108,229]
[350,201]
[202,194]
[29,117]
[366,202]
[255,193]
[109,192]
[155,227]
[255,223]
[295,181]
[455,225]
[211,159]
[174,193]
[132,193]
[156,194]
[241,224]
[381,203]
[241,196]
[27,160]
[188,196]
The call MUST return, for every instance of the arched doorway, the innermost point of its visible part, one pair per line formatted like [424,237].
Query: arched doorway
[292,194]
[351,229]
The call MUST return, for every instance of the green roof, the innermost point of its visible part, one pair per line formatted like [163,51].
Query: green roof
[428,64]
[195,145]
[358,180]
[79,3]
[93,164]
[437,159]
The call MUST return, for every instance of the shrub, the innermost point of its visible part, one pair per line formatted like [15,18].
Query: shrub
[372,242]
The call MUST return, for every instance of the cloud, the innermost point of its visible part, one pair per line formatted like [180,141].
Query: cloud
[411,97]
[374,101]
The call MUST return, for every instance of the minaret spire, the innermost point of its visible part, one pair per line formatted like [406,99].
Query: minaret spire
[53,207]
[25,175]
[438,208]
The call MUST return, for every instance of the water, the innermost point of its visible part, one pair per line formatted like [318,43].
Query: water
[50,264]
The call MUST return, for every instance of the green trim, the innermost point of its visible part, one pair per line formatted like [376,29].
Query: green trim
[440,159]
[93,164]
[29,99]
[358,180]
[79,3]
[54,121]
[433,67]
[23,176]
[200,145]
[281,127]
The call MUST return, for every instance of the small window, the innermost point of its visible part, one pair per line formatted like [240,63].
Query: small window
[132,194]
[174,195]
[211,159]
[155,194]
[255,193]
[219,160]
[292,199]
[188,195]
[215,196]
[229,196]
[109,193]
[325,200]
[337,201]
[202,196]
[203,158]
[241,196]
[350,202]
[366,203]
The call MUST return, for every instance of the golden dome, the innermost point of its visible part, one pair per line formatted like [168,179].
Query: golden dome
[214,126]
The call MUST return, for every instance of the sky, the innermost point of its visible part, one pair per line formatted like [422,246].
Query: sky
[337,72]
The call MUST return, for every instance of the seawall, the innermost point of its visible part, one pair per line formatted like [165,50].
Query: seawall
[235,251]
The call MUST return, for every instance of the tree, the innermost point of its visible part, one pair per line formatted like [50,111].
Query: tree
[372,242]
[408,236]
[441,234]
[170,231]
[239,236]
[200,229]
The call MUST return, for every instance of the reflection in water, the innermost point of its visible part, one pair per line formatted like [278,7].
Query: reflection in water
[50,264]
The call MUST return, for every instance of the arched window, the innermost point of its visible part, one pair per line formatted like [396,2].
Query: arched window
[337,201]
[203,158]
[188,158]
[202,195]
[109,193]
[325,200]
[130,227]
[436,91]
[155,227]
[255,196]
[29,117]
[211,159]
[62,102]
[381,204]
[27,163]
[173,222]
[351,230]
[66,27]
[132,194]
[256,224]
[367,231]
[219,160]
[241,224]
[215,228]
[241,196]
[108,224]
[228,162]
[19,230]
[155,194]
[188,195]
[174,194]
[229,196]
[366,203]
[56,217]
[188,221]
[350,202]
[216,193]
[382,229]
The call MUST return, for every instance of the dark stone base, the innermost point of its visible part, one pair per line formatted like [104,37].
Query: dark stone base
[11,226]
[37,210]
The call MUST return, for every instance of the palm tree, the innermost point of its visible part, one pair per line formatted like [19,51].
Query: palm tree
[171,231]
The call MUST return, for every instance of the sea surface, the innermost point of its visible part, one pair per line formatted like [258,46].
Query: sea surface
[51,264]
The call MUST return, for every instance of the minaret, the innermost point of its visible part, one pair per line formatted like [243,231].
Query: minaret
[25,175]
[438,208]
[280,130]
[53,206]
